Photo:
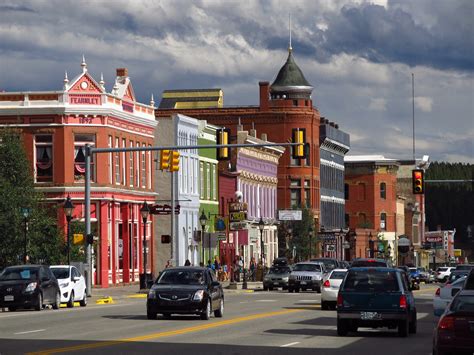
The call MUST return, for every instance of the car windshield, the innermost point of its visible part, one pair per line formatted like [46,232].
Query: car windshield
[330,264]
[378,281]
[19,274]
[182,277]
[463,303]
[456,275]
[421,269]
[338,275]
[279,270]
[307,267]
[60,272]
[413,269]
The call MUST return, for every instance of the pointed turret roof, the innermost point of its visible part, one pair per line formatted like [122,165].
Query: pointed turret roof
[290,77]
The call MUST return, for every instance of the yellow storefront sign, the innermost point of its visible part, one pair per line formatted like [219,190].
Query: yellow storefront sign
[78,238]
[457,252]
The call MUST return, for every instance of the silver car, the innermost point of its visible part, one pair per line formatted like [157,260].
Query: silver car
[276,277]
[307,275]
[331,284]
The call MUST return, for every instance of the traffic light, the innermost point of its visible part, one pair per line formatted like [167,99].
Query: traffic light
[222,138]
[299,136]
[174,161]
[418,181]
[165,159]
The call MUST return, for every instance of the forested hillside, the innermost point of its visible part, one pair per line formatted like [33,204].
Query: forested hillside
[450,205]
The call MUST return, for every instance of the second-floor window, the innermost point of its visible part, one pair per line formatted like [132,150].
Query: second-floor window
[307,193]
[346,191]
[117,162]
[80,140]
[208,181]
[143,166]
[383,190]
[295,193]
[131,167]
[44,158]
[201,180]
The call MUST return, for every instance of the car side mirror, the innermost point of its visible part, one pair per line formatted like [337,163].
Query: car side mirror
[76,278]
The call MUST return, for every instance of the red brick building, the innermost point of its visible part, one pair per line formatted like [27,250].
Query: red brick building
[56,126]
[284,105]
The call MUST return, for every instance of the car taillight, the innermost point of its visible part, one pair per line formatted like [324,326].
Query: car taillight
[326,284]
[403,301]
[340,301]
[446,323]
[438,292]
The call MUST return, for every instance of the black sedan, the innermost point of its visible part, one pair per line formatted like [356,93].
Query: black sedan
[186,290]
[28,286]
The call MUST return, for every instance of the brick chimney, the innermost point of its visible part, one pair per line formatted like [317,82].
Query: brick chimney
[122,72]
[264,137]
[264,95]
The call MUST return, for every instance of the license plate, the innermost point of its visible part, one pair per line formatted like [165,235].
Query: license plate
[9,298]
[369,315]
[303,282]
[275,283]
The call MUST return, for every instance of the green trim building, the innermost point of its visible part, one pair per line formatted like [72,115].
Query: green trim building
[208,189]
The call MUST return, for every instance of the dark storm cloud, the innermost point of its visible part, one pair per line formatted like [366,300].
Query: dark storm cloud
[14,8]
[385,35]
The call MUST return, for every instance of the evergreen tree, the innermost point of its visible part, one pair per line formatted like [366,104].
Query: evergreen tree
[44,241]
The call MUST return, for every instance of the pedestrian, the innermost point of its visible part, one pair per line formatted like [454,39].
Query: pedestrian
[209,264]
[187,263]
[252,269]
[217,265]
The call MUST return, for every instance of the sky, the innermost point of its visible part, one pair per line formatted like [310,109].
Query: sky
[358,55]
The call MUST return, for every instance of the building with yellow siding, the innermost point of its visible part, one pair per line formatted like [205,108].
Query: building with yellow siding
[192,99]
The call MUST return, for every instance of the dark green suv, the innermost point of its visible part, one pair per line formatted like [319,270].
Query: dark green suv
[375,297]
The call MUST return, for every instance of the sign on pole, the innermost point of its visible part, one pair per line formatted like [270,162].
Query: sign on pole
[290,215]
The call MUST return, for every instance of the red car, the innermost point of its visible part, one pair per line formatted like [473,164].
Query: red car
[455,330]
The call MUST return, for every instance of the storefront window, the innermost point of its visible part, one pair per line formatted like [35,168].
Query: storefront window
[44,158]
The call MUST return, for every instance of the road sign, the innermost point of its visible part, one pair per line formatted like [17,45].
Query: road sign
[234,226]
[221,236]
[290,215]
[237,206]
[78,238]
[457,252]
[238,216]
[163,209]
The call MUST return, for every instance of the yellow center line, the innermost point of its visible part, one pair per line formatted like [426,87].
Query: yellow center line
[165,334]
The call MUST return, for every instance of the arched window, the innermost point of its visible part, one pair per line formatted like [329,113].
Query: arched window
[383,190]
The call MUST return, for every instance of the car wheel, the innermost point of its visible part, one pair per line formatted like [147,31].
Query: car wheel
[270,288]
[265,288]
[57,303]
[219,313]
[303,289]
[403,328]
[342,328]
[83,302]
[413,324]
[39,302]
[324,306]
[70,303]
[206,314]
[297,290]
[290,290]
[12,309]
[150,315]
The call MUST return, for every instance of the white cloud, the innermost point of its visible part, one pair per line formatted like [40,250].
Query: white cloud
[377,104]
[424,103]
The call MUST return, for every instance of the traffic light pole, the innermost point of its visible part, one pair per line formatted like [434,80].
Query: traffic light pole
[89,151]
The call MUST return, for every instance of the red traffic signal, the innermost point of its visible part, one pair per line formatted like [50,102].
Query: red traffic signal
[418,181]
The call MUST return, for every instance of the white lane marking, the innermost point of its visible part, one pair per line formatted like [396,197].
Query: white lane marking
[265,301]
[314,301]
[30,331]
[289,344]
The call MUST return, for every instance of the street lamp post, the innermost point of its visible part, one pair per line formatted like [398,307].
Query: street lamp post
[68,210]
[371,246]
[310,231]
[203,221]
[261,226]
[26,213]
[145,212]
[389,251]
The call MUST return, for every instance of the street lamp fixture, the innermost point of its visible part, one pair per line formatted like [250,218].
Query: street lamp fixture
[144,212]
[261,226]
[203,222]
[68,211]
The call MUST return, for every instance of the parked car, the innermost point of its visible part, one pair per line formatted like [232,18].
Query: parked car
[71,283]
[307,275]
[28,286]
[370,262]
[445,294]
[432,276]
[329,263]
[186,290]
[455,331]
[277,277]
[424,275]
[375,297]
[442,273]
[330,289]
[283,261]
[407,275]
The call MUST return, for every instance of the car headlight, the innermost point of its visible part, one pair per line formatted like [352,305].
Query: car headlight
[152,294]
[64,284]
[285,278]
[267,278]
[31,287]
[198,295]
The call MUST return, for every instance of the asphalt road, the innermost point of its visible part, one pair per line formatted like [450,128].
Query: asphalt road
[273,322]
